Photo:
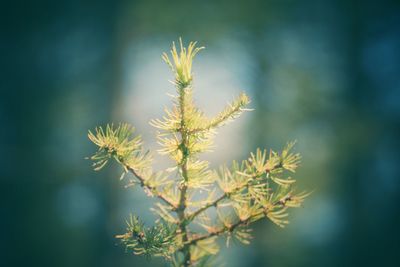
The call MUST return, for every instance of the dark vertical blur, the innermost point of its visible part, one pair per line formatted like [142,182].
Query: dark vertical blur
[57,71]
[323,72]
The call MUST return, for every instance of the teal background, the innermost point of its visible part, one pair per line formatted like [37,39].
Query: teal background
[325,73]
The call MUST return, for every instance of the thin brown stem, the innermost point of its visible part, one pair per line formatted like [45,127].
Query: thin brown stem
[214,203]
[239,223]
[151,189]
[222,230]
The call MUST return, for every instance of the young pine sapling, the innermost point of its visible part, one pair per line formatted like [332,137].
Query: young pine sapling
[219,203]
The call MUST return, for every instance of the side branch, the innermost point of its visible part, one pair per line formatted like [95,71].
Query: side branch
[152,189]
[222,230]
[205,207]
[281,203]
[233,111]
[214,203]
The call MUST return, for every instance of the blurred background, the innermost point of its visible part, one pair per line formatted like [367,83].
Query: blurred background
[323,72]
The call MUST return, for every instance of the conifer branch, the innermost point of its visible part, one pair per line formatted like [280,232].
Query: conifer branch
[158,240]
[232,111]
[117,143]
[241,222]
[232,191]
[258,187]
